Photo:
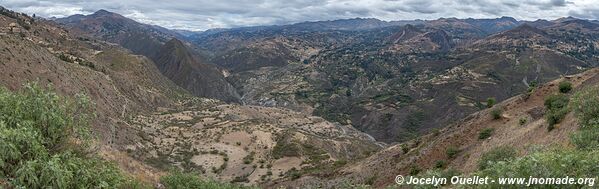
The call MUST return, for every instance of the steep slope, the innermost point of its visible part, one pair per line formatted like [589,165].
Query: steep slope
[145,122]
[400,82]
[188,70]
[140,38]
[464,137]
[191,72]
[118,82]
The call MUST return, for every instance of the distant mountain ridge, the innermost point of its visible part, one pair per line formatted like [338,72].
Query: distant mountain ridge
[197,76]
[309,64]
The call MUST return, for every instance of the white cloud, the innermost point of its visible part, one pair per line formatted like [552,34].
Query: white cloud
[205,14]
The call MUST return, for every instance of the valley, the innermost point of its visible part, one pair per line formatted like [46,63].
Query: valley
[347,103]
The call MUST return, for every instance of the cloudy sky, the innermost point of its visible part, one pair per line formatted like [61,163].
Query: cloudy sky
[206,14]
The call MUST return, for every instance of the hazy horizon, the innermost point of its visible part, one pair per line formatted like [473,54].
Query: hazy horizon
[204,15]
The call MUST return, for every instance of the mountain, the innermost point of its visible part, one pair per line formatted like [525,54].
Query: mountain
[399,82]
[314,104]
[118,82]
[188,70]
[459,148]
[153,42]
[490,26]
[140,111]
[343,24]
[139,38]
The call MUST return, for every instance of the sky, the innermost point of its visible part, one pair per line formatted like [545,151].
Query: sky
[198,15]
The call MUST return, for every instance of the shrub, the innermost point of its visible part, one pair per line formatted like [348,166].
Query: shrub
[556,109]
[490,102]
[440,164]
[580,162]
[286,147]
[531,89]
[414,170]
[503,153]
[565,87]
[556,163]
[586,139]
[293,173]
[452,152]
[485,133]
[405,148]
[586,108]
[522,121]
[36,130]
[496,113]
[180,180]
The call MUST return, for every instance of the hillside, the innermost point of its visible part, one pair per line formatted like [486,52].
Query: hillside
[376,83]
[324,104]
[145,122]
[190,71]
[521,126]
[118,82]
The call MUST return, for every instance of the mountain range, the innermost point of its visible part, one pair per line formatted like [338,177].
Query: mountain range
[312,104]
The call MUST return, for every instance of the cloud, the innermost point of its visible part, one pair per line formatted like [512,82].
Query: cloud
[206,14]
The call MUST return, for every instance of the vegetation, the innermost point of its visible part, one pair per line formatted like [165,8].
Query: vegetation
[286,147]
[557,163]
[565,87]
[44,140]
[414,170]
[503,153]
[556,109]
[490,102]
[485,133]
[440,164]
[180,180]
[522,121]
[452,152]
[586,108]
[405,148]
[496,113]
[580,162]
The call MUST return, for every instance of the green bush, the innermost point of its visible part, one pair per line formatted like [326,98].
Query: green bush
[550,164]
[586,108]
[180,180]
[523,121]
[586,139]
[286,147]
[574,163]
[565,87]
[414,170]
[503,153]
[452,152]
[405,148]
[556,109]
[485,133]
[496,113]
[580,162]
[490,102]
[440,164]
[36,130]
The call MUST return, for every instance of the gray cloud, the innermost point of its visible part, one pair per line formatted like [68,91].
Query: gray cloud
[205,14]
